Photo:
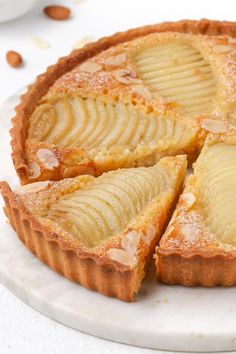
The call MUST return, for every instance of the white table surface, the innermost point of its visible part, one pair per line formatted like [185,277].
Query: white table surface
[22,329]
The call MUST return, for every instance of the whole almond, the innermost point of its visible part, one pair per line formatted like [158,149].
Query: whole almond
[57,12]
[13,58]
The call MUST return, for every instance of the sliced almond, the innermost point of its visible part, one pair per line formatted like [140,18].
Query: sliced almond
[116,60]
[142,91]
[14,58]
[189,231]
[39,43]
[57,12]
[34,170]
[126,76]
[90,67]
[31,187]
[188,198]
[215,125]
[130,241]
[150,234]
[122,257]
[47,158]
[127,80]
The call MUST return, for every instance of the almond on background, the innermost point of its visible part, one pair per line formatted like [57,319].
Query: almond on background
[14,59]
[57,12]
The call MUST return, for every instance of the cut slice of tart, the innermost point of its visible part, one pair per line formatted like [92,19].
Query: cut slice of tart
[127,101]
[199,245]
[100,232]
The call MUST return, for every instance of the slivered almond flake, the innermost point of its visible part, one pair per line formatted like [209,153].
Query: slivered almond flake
[124,72]
[57,12]
[82,42]
[39,43]
[150,234]
[126,76]
[188,198]
[31,187]
[34,170]
[116,60]
[215,125]
[142,91]
[122,257]
[47,158]
[90,67]
[130,241]
[189,231]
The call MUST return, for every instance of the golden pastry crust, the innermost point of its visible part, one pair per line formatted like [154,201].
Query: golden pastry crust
[195,250]
[98,268]
[68,162]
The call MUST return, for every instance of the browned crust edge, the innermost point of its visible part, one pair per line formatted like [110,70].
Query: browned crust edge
[200,269]
[29,100]
[108,279]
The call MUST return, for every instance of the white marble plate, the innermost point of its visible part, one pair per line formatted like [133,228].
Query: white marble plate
[163,317]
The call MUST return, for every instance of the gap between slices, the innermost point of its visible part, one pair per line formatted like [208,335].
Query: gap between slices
[114,221]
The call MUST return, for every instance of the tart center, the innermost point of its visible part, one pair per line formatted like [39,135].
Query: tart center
[108,205]
[216,173]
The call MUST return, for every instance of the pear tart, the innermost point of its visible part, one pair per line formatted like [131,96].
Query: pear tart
[100,232]
[199,245]
[127,101]
[132,103]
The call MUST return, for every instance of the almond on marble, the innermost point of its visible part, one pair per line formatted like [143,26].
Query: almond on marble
[14,59]
[57,12]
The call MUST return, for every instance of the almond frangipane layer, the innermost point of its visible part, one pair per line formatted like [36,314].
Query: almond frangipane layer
[113,221]
[201,236]
[132,104]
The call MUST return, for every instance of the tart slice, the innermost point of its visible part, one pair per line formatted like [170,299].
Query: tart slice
[127,101]
[100,232]
[199,245]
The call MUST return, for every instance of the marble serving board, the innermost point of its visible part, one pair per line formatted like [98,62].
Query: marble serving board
[163,317]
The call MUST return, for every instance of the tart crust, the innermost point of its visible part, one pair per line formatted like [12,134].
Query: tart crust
[192,251]
[92,268]
[35,92]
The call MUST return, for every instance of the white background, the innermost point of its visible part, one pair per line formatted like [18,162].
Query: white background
[23,330]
